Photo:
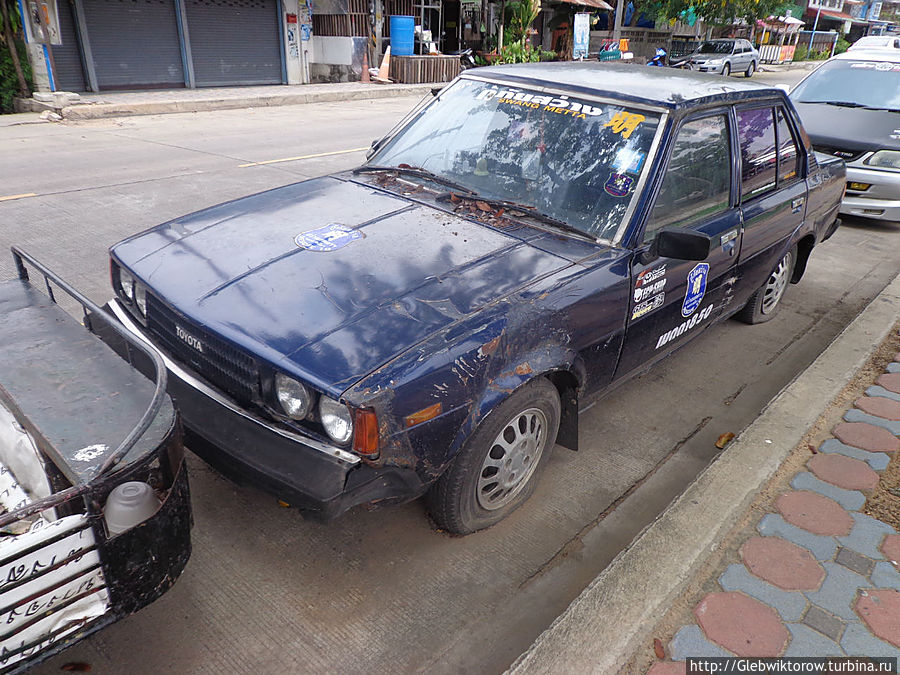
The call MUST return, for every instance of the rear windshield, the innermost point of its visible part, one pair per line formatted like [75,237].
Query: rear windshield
[869,84]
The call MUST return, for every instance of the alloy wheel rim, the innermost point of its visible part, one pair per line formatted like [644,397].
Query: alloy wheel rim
[776,285]
[512,459]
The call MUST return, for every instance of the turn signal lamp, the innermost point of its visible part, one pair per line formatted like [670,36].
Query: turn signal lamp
[365,438]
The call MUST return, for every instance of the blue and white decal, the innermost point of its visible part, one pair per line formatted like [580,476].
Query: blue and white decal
[328,238]
[696,287]
[618,184]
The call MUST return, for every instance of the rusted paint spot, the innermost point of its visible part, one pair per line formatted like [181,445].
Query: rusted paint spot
[489,348]
[524,369]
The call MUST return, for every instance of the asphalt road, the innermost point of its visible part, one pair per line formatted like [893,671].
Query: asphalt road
[381,591]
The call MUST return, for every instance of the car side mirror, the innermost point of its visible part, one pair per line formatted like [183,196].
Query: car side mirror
[681,244]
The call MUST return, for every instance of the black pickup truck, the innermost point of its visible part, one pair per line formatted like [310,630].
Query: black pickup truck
[95,513]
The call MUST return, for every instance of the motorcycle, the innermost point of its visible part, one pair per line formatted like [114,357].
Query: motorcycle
[466,58]
[659,59]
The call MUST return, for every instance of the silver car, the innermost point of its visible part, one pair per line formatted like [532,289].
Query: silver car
[725,56]
[850,106]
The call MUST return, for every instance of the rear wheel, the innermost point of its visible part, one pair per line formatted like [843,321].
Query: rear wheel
[726,69]
[497,468]
[750,69]
[764,303]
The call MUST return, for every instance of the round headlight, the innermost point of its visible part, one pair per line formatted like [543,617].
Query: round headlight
[293,396]
[126,283]
[336,419]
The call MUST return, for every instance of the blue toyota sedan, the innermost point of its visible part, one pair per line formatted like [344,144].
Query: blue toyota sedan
[431,322]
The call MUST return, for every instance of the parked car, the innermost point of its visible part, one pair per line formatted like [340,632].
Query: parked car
[850,106]
[725,56]
[432,321]
[876,42]
[95,514]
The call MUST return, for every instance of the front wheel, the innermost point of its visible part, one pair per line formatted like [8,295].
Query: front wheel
[726,69]
[750,69]
[498,466]
[764,303]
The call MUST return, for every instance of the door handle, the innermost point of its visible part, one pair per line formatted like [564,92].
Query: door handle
[729,241]
[796,204]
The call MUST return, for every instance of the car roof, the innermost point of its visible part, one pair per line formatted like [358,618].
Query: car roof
[888,54]
[660,87]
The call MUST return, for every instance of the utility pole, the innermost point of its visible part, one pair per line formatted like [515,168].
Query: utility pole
[815,25]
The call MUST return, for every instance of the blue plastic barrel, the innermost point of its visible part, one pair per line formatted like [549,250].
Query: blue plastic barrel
[402,35]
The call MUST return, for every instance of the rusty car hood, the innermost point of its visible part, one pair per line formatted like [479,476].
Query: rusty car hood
[329,278]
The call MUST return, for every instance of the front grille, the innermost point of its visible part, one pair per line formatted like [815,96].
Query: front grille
[223,366]
[846,155]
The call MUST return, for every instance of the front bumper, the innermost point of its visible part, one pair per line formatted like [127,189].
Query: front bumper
[299,470]
[704,68]
[881,201]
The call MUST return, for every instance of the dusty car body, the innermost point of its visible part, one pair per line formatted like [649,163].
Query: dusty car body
[850,106]
[95,518]
[434,320]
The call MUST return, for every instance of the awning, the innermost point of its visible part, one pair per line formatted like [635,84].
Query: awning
[596,4]
[840,16]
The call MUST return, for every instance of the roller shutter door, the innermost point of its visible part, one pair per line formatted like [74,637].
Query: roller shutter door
[134,43]
[69,73]
[234,41]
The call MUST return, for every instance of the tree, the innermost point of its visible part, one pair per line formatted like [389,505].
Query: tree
[7,39]
[721,12]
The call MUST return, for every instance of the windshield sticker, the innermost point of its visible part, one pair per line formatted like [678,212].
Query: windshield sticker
[696,287]
[625,123]
[862,65]
[629,161]
[328,238]
[691,323]
[650,275]
[884,66]
[646,291]
[560,105]
[648,306]
[618,184]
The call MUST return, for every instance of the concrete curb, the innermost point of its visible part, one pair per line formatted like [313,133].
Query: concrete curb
[611,619]
[89,110]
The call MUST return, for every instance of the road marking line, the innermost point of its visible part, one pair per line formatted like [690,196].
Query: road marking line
[294,159]
[8,198]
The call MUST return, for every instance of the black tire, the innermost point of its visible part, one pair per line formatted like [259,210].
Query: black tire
[750,69]
[765,302]
[457,500]
[726,70]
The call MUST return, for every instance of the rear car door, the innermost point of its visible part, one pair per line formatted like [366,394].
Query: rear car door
[671,299]
[773,192]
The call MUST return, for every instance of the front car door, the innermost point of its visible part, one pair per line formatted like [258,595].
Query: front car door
[773,192]
[672,300]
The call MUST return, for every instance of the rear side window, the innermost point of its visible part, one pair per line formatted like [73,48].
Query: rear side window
[697,183]
[756,134]
[788,157]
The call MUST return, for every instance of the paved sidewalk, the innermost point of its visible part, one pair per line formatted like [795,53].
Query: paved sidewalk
[768,551]
[155,102]
[819,577]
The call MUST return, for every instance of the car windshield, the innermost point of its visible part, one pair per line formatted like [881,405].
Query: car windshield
[715,48]
[869,84]
[574,160]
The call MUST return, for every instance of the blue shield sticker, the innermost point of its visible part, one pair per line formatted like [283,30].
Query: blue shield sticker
[328,238]
[696,287]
